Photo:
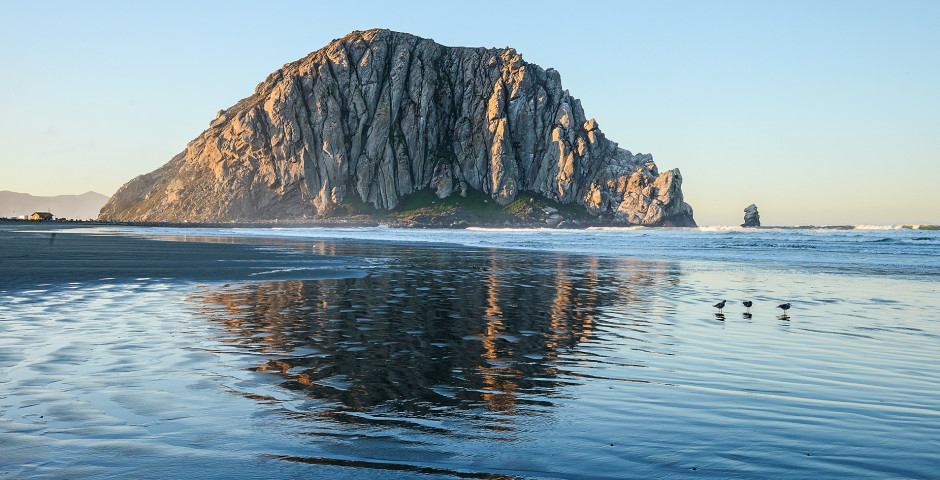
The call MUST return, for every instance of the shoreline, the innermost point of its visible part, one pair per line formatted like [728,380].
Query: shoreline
[357,222]
[786,247]
[350,222]
[33,257]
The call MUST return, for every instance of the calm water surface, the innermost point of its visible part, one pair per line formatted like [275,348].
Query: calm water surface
[455,361]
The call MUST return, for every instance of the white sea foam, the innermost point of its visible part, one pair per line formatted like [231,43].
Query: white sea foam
[510,229]
[618,229]
[878,227]
[723,228]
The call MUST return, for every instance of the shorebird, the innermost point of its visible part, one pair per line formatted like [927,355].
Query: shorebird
[785,307]
[747,304]
[720,305]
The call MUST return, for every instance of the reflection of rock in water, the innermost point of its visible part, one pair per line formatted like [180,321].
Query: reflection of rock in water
[430,331]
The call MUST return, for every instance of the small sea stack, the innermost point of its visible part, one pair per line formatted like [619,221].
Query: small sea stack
[751,217]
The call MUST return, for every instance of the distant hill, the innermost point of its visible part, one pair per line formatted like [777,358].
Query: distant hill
[78,207]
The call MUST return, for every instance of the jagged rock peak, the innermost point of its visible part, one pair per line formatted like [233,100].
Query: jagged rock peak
[379,115]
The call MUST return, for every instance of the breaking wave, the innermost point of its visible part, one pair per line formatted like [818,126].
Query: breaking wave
[725,228]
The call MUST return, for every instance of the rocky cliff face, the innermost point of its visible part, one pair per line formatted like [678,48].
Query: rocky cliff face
[377,116]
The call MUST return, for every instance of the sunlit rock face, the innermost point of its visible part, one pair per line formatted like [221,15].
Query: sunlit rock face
[379,115]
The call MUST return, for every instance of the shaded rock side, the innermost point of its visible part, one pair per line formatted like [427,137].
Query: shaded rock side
[379,115]
[751,217]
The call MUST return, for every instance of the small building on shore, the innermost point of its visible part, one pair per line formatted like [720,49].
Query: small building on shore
[41,216]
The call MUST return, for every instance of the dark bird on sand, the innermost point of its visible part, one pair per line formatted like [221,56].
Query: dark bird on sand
[785,307]
[720,305]
[747,304]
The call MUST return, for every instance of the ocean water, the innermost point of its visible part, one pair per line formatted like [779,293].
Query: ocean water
[479,354]
[899,250]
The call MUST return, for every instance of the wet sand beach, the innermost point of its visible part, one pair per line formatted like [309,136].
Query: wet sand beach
[34,254]
[152,354]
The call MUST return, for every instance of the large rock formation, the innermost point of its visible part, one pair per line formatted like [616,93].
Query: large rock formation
[379,115]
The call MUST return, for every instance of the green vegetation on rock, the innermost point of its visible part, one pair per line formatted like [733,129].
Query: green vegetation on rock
[479,208]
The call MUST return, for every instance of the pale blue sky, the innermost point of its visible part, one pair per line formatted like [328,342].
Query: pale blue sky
[820,112]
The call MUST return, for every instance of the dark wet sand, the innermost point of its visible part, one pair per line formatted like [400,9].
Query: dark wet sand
[32,255]
[141,360]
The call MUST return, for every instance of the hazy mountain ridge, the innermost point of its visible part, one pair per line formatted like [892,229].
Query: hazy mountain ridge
[79,207]
[378,116]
